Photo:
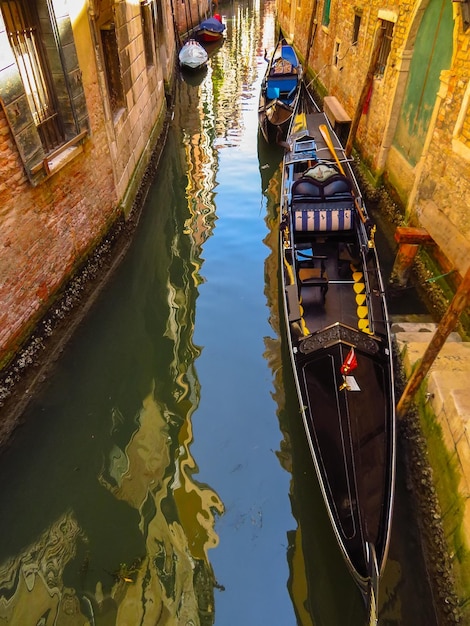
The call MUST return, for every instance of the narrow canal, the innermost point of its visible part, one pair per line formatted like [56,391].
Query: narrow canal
[162,475]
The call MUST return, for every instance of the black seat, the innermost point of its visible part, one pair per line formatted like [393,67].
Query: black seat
[311,270]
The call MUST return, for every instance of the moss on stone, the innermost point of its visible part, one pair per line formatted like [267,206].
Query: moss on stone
[446,479]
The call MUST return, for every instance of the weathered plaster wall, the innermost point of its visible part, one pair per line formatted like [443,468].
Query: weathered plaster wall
[48,229]
[435,189]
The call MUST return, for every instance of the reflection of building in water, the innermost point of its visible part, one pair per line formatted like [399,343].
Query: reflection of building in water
[298,584]
[212,116]
[139,555]
[32,590]
[176,519]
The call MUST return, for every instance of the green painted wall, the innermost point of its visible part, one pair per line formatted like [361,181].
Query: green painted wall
[432,53]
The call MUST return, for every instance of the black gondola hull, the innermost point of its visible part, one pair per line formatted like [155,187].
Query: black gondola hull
[339,340]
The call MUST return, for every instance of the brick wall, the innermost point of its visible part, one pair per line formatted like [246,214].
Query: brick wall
[48,229]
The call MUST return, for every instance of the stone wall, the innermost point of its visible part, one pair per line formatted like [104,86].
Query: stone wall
[435,190]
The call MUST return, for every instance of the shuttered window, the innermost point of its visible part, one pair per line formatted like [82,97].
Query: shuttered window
[40,82]
[326,13]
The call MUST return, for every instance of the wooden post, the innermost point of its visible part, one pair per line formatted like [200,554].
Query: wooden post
[409,240]
[365,89]
[311,34]
[403,262]
[445,327]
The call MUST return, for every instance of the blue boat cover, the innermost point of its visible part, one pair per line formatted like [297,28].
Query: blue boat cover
[212,24]
[289,55]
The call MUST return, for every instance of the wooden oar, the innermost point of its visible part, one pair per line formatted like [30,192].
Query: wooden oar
[329,143]
[327,137]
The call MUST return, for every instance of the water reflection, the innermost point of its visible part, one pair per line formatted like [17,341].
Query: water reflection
[106,521]
[117,421]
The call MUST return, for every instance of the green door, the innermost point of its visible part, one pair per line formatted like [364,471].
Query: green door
[432,54]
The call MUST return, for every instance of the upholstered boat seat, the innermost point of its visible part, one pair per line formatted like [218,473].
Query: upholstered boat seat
[323,201]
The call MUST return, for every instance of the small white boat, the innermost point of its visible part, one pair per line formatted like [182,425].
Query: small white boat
[192,55]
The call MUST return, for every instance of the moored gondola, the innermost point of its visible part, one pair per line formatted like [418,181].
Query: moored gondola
[339,341]
[279,91]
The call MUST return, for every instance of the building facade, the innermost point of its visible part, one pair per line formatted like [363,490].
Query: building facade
[415,119]
[83,87]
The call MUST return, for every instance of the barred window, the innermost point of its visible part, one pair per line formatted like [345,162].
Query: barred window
[113,67]
[147,31]
[25,41]
[356,27]
[40,82]
[385,48]
[158,21]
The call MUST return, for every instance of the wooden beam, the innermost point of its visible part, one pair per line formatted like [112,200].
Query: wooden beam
[408,234]
[402,265]
[365,89]
[445,327]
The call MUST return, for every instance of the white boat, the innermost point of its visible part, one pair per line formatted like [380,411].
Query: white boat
[192,55]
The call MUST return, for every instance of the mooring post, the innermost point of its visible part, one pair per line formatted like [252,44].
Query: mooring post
[368,81]
[402,264]
[409,240]
[445,327]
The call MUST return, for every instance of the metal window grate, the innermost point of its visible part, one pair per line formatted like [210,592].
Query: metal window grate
[384,48]
[26,45]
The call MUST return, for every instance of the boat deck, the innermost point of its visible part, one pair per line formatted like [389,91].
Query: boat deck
[340,301]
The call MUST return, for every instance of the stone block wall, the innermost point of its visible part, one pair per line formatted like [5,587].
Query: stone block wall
[435,190]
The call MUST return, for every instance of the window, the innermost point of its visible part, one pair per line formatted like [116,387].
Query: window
[40,82]
[356,27]
[336,58]
[112,67]
[384,48]
[158,21]
[326,13]
[147,31]
[26,44]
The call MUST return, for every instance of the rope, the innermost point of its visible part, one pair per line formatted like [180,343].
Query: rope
[433,279]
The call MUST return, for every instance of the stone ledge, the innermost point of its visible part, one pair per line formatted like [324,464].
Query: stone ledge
[448,396]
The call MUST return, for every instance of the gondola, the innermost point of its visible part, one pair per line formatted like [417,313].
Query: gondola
[210,30]
[279,90]
[338,335]
[193,56]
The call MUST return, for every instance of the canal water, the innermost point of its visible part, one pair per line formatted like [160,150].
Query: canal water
[162,474]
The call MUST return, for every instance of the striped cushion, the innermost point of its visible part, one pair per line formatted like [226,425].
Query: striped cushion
[323,220]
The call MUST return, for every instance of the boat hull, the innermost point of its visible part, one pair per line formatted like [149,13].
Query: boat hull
[278,94]
[339,340]
[207,36]
[210,30]
[193,56]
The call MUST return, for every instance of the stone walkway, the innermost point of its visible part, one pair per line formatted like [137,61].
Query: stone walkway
[447,388]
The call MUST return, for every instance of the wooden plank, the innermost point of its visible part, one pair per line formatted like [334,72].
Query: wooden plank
[408,234]
[334,111]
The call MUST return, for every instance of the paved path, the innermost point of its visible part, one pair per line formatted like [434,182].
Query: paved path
[447,388]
